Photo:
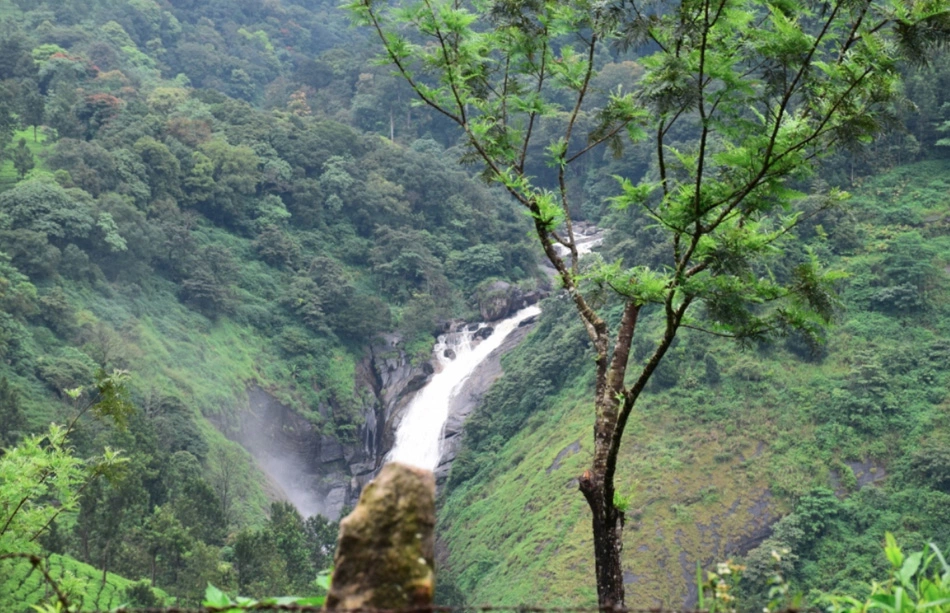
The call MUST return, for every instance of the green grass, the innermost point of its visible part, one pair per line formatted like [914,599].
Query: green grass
[21,586]
[209,365]
[8,175]
[524,535]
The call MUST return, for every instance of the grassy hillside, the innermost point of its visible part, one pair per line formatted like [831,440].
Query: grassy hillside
[845,440]
[21,586]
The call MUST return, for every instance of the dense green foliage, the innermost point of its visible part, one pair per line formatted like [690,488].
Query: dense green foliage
[737,102]
[919,581]
[847,440]
[189,192]
[218,194]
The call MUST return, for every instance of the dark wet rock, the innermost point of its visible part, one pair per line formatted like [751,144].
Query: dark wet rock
[416,383]
[391,369]
[532,297]
[570,450]
[362,468]
[330,449]
[529,321]
[385,553]
[483,333]
[336,499]
[449,353]
[501,299]
[867,472]
[494,301]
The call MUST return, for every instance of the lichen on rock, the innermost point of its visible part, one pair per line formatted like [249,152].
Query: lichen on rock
[384,556]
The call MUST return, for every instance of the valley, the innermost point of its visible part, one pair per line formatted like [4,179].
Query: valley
[242,267]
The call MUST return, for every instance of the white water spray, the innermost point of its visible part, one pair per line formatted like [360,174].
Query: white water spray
[419,437]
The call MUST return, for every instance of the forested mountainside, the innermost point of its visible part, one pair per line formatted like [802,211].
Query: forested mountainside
[227,194]
[211,220]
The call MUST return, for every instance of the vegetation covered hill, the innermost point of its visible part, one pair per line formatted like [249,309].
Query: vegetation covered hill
[186,196]
[843,441]
[225,193]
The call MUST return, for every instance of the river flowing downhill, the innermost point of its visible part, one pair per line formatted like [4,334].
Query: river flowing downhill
[419,437]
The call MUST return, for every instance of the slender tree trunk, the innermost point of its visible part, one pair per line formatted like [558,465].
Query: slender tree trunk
[105,563]
[598,489]
[597,484]
[607,522]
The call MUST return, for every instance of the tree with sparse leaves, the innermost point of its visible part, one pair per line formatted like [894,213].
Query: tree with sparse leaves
[32,106]
[738,101]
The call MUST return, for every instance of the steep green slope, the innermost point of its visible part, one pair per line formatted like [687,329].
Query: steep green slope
[200,216]
[84,585]
[730,439]
[228,193]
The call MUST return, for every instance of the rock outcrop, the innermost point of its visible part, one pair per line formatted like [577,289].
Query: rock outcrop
[384,556]
[501,299]
[315,471]
[394,382]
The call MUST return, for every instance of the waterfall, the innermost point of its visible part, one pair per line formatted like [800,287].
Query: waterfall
[419,437]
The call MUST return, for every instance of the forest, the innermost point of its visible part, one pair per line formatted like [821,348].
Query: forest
[198,198]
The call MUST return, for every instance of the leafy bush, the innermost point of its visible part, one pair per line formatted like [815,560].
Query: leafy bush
[69,369]
[916,582]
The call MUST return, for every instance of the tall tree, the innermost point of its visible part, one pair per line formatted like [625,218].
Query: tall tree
[738,101]
[23,160]
[32,105]
[8,119]
[11,417]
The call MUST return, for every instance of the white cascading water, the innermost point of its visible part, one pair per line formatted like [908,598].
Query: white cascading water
[419,437]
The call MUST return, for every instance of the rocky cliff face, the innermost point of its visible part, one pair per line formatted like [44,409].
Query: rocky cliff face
[500,299]
[318,473]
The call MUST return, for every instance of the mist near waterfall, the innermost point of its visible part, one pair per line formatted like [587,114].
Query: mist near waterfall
[278,456]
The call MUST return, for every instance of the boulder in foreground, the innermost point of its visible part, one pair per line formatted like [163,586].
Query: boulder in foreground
[384,556]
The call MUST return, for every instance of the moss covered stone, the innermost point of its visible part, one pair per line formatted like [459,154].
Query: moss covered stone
[384,556]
